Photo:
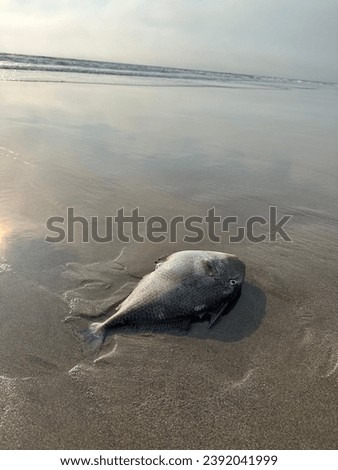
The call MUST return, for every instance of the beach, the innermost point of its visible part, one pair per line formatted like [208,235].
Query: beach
[265,377]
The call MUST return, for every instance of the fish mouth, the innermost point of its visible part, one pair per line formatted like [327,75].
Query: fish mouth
[237,266]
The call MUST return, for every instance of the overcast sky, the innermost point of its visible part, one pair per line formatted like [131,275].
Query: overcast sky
[291,38]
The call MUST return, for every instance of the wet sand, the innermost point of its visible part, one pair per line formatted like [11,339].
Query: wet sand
[266,375]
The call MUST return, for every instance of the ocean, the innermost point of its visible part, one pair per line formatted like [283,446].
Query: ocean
[19,67]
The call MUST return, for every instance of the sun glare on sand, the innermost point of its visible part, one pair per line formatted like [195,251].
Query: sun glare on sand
[5,230]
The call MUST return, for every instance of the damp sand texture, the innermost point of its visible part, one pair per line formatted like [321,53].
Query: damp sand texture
[266,375]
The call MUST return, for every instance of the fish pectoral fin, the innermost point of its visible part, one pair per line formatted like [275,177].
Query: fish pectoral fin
[216,314]
[224,308]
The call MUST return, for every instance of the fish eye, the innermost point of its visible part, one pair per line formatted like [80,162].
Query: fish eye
[232,282]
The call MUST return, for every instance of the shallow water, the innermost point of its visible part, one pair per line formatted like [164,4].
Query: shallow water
[266,375]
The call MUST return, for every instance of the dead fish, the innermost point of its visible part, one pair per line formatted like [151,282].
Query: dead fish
[184,286]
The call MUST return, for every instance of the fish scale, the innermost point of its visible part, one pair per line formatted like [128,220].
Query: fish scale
[184,285]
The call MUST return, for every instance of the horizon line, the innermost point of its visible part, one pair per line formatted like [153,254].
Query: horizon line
[169,67]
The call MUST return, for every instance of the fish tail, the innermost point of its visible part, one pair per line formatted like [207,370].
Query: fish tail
[94,335]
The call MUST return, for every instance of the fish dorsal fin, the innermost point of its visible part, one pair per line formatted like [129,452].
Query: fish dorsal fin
[161,260]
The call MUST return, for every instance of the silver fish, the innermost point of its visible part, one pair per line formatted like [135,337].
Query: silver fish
[186,285]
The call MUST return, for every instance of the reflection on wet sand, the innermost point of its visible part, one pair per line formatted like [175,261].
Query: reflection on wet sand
[5,231]
[266,375]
